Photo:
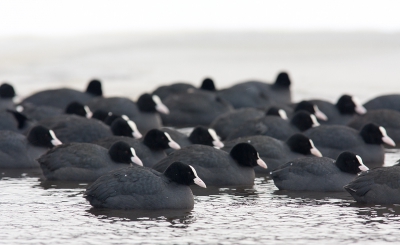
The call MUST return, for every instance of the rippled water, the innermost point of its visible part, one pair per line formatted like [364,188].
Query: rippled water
[322,66]
[37,211]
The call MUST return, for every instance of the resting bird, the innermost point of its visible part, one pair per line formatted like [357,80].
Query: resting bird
[216,167]
[61,98]
[144,188]
[276,127]
[318,174]
[377,186]
[85,161]
[18,151]
[332,140]
[275,152]
[342,112]
[150,149]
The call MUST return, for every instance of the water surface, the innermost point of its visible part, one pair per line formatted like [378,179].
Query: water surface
[321,66]
[37,211]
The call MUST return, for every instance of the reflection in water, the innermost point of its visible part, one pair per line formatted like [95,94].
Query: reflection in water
[180,216]
[318,197]
[244,191]
[20,173]
[49,184]
[375,215]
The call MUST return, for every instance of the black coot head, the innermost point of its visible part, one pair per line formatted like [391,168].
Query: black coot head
[79,109]
[303,145]
[304,120]
[346,105]
[349,105]
[6,91]
[42,137]
[275,111]
[246,155]
[158,140]
[100,115]
[183,174]
[208,84]
[94,88]
[311,108]
[121,152]
[146,103]
[350,163]
[151,103]
[122,126]
[282,80]
[306,106]
[374,134]
[201,136]
[205,136]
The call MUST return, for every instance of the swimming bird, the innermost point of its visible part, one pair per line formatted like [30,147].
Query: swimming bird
[163,92]
[208,85]
[276,111]
[108,117]
[229,121]
[18,151]
[144,188]
[342,112]
[275,127]
[123,126]
[85,161]
[7,96]
[200,135]
[216,167]
[275,152]
[60,98]
[73,128]
[389,119]
[311,108]
[193,109]
[29,114]
[388,101]
[376,186]
[331,140]
[79,109]
[318,174]
[145,112]
[258,94]
[117,105]
[150,149]
[39,112]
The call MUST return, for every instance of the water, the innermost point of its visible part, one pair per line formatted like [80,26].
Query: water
[37,211]
[322,66]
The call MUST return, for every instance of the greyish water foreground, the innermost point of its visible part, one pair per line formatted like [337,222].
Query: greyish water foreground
[35,211]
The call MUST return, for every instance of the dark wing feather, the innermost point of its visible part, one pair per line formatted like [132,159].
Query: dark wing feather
[130,181]
[196,155]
